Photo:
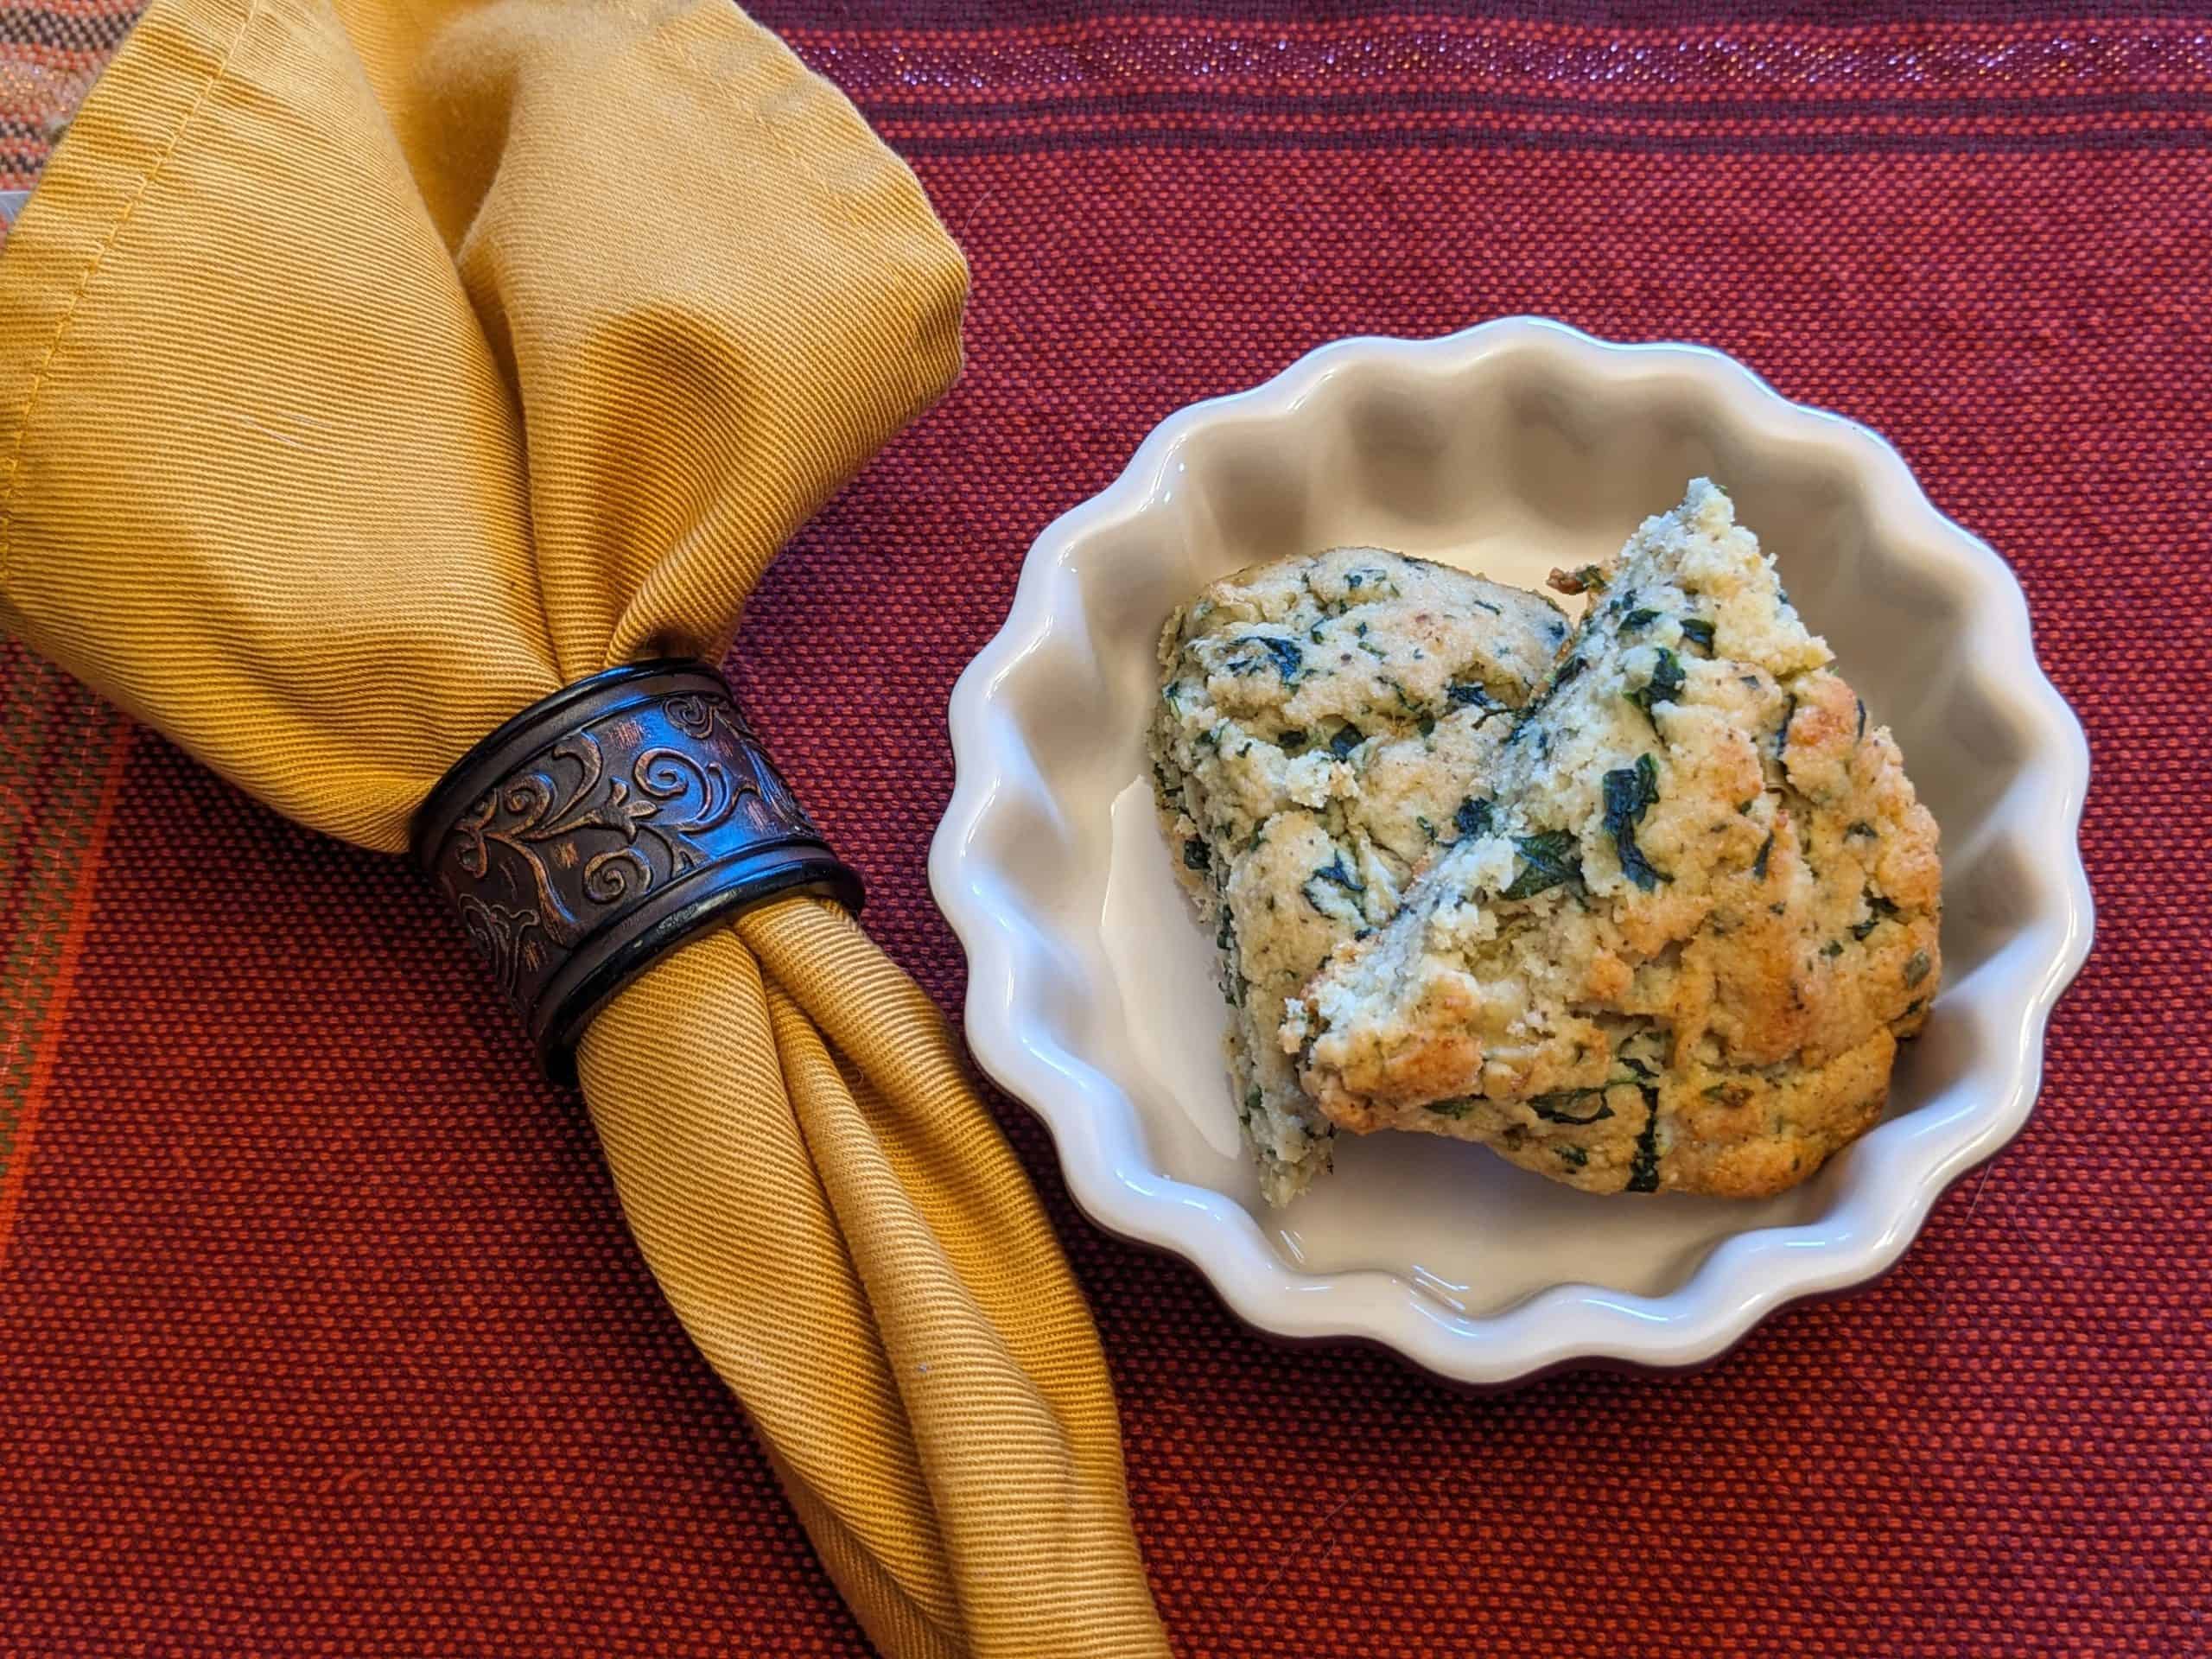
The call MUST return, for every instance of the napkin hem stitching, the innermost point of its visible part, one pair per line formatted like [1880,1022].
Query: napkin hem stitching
[146,180]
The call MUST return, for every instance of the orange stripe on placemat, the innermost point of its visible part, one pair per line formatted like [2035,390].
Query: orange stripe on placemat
[17,1173]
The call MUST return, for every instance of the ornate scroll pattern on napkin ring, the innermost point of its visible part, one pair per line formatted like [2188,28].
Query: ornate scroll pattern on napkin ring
[604,825]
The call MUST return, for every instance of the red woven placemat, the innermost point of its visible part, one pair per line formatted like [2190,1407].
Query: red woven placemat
[318,1332]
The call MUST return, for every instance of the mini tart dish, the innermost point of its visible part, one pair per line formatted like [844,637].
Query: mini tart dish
[1319,721]
[1691,909]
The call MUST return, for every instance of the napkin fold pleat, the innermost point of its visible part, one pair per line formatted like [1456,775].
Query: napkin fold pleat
[370,370]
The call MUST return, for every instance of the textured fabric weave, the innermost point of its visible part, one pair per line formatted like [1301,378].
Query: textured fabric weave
[358,395]
[319,1334]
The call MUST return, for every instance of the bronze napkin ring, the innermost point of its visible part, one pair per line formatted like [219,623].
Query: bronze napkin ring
[606,824]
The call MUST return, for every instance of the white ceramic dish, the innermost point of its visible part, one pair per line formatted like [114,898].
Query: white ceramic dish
[1509,449]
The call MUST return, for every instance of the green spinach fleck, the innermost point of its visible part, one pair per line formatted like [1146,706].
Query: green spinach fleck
[1549,860]
[1195,856]
[1917,969]
[1573,1156]
[1465,694]
[1698,631]
[1629,793]
[1562,676]
[1665,684]
[1474,816]
[1334,871]
[1879,910]
[1557,1106]
[1289,661]
[1644,1169]
[1345,740]
[1642,617]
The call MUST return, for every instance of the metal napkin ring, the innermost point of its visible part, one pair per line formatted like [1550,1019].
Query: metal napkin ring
[604,825]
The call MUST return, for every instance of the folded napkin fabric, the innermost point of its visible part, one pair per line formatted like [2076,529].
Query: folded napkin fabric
[370,370]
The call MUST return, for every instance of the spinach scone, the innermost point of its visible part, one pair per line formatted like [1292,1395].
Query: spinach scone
[1319,718]
[1682,950]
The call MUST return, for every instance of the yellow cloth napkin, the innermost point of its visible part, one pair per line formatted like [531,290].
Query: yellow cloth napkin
[373,369]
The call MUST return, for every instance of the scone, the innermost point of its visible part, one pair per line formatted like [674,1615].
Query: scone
[1319,719]
[1704,913]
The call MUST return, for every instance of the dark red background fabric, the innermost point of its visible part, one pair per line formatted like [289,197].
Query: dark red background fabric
[318,1332]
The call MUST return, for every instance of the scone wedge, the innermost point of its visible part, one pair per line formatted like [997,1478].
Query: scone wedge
[1319,721]
[1701,913]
